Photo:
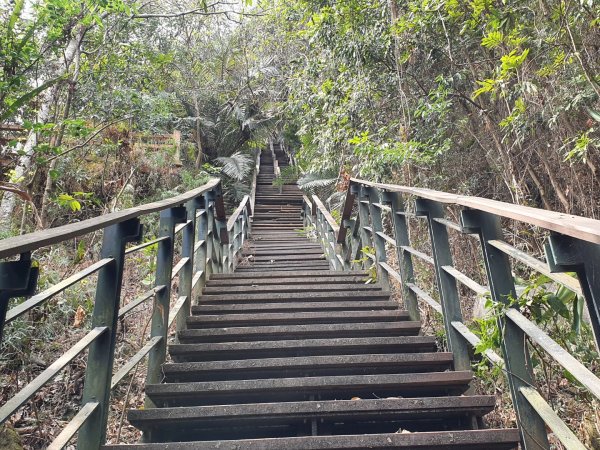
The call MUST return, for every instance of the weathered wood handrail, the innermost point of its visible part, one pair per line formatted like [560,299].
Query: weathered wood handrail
[254,177]
[317,216]
[573,246]
[567,224]
[209,243]
[32,241]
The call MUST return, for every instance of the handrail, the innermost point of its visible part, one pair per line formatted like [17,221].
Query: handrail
[573,246]
[244,204]
[32,241]
[254,178]
[326,214]
[209,243]
[567,224]
[315,214]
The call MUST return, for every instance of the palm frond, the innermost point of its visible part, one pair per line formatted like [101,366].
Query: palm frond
[336,200]
[315,180]
[236,166]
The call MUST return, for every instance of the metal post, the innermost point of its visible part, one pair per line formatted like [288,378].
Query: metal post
[99,367]
[363,217]
[200,261]
[514,343]
[169,218]
[379,242]
[211,266]
[17,279]
[449,297]
[569,254]
[394,199]
[187,272]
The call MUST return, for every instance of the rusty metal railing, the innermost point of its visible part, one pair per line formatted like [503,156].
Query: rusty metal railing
[573,245]
[209,243]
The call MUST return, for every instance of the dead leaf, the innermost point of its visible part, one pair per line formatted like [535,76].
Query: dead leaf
[79,317]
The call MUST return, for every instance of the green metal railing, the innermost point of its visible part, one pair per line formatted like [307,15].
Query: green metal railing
[209,243]
[573,246]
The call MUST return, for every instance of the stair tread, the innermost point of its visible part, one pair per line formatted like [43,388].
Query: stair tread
[258,333]
[399,362]
[490,439]
[187,393]
[255,288]
[300,294]
[296,318]
[327,409]
[332,346]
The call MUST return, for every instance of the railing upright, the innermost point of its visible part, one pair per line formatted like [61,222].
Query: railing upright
[99,368]
[405,262]
[514,343]
[186,276]
[169,218]
[365,231]
[447,287]
[375,209]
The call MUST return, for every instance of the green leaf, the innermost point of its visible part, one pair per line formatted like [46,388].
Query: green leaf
[595,115]
[493,39]
[15,105]
[557,306]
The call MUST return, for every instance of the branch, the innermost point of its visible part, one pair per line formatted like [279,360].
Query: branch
[196,11]
[87,141]
[200,11]
[15,189]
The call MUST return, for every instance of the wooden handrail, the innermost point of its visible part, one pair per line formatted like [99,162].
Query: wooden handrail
[573,246]
[568,224]
[32,241]
[245,203]
[326,214]
[254,181]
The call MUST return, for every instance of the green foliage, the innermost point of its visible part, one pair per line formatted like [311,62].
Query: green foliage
[557,310]
[237,166]
[316,180]
[288,175]
[366,258]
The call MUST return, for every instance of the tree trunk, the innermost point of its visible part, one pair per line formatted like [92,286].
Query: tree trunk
[48,99]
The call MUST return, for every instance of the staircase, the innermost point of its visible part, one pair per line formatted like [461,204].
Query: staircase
[288,354]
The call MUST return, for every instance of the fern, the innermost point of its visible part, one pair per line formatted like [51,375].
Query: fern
[314,180]
[236,166]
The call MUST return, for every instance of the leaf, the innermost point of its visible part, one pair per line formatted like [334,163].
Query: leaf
[595,115]
[493,39]
[577,314]
[79,317]
[15,105]
[236,166]
[558,306]
[313,180]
